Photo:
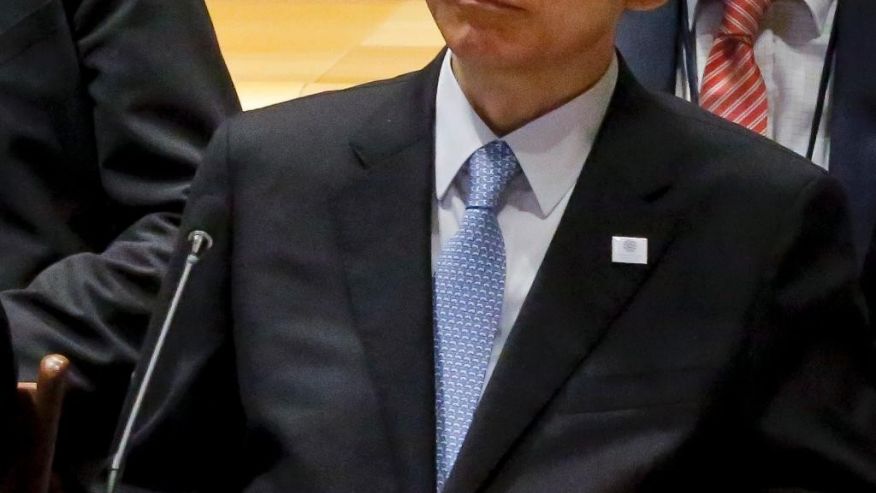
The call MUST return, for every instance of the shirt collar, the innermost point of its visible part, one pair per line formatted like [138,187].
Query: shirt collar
[820,10]
[551,149]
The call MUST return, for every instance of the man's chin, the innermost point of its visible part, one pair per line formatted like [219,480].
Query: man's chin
[492,55]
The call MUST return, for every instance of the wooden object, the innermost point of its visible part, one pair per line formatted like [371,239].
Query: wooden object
[40,406]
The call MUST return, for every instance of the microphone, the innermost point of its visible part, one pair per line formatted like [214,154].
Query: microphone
[200,241]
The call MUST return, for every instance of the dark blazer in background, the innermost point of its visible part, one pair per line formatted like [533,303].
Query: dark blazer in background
[301,359]
[650,41]
[105,107]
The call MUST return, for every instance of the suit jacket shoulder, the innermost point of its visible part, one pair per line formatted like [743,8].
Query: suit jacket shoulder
[318,120]
[703,152]
[317,143]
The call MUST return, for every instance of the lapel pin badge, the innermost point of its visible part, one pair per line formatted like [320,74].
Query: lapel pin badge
[629,250]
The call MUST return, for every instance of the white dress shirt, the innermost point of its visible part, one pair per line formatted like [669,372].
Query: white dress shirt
[790,52]
[551,151]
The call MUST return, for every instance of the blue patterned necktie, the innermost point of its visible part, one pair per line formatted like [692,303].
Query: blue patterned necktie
[469,287]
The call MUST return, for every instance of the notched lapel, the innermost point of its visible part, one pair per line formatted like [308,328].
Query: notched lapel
[578,291]
[384,224]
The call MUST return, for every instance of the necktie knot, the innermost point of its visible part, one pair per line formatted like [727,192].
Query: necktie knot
[491,168]
[733,85]
[742,18]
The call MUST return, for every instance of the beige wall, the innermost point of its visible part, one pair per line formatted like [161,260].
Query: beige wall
[281,49]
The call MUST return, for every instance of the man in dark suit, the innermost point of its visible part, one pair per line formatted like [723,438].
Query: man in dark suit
[693,325]
[105,108]
[652,44]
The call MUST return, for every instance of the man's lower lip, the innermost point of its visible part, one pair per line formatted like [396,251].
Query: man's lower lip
[488,4]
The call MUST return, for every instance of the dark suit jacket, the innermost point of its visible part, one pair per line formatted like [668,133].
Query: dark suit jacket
[105,108]
[301,359]
[7,400]
[650,41]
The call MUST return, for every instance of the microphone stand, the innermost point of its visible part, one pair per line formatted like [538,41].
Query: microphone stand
[201,242]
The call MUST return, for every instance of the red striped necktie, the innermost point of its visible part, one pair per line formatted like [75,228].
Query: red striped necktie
[733,86]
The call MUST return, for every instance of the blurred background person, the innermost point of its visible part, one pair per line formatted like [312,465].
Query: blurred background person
[803,68]
[105,107]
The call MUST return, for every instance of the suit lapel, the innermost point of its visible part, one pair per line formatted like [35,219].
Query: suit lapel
[853,114]
[384,223]
[578,291]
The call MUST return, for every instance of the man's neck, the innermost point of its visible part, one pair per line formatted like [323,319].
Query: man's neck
[507,100]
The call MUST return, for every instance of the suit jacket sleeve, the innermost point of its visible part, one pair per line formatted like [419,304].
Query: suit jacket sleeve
[159,88]
[819,425]
[191,425]
[798,412]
